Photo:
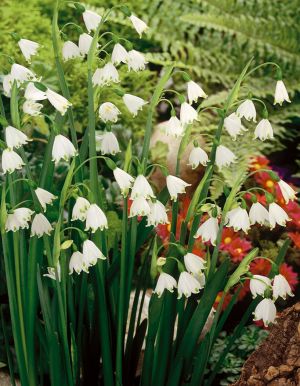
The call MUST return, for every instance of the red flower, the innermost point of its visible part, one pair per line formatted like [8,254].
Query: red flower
[291,276]
[295,236]
[199,248]
[259,162]
[238,248]
[266,181]
[293,211]
[228,235]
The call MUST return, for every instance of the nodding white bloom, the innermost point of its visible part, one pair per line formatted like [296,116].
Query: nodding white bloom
[247,110]
[7,84]
[264,130]
[119,54]
[233,125]
[91,20]
[77,263]
[176,186]
[108,112]
[11,161]
[139,25]
[224,156]
[28,48]
[281,287]
[281,93]
[208,230]
[259,284]
[157,215]
[70,51]
[258,214]
[32,93]
[60,103]
[84,43]
[277,215]
[135,61]
[40,226]
[133,103]
[187,285]
[194,264]
[141,188]
[238,218]
[139,207]
[287,191]
[19,219]
[124,180]
[32,108]
[104,76]
[91,253]
[80,209]
[44,197]
[62,149]
[51,272]
[197,157]
[187,114]
[14,138]
[107,143]
[172,127]
[165,282]
[194,92]
[21,74]
[266,311]
[95,219]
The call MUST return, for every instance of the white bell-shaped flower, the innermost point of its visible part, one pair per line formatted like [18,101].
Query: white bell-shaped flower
[258,214]
[21,74]
[197,157]
[259,284]
[263,130]
[266,311]
[224,157]
[287,191]
[95,219]
[124,180]
[187,285]
[247,110]
[136,61]
[84,43]
[172,127]
[107,143]
[157,215]
[105,75]
[70,50]
[52,272]
[119,54]
[91,253]
[141,188]
[40,226]
[139,207]
[165,282]
[281,93]
[32,108]
[60,103]
[208,230]
[28,48]
[11,161]
[233,125]
[7,85]
[194,264]
[187,114]
[133,103]
[277,215]
[194,91]
[108,112]
[34,94]
[176,186]
[238,219]
[281,287]
[77,263]
[14,138]
[62,149]
[139,25]
[44,197]
[19,219]
[80,209]
[91,20]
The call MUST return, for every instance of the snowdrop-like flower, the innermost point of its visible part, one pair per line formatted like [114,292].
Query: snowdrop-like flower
[281,287]
[208,230]
[139,207]
[62,149]
[91,20]
[266,311]
[259,284]
[124,180]
[277,215]
[70,51]
[104,76]
[95,219]
[34,94]
[176,186]
[224,156]
[107,143]
[197,157]
[287,191]
[91,253]
[247,110]
[165,282]
[28,48]
[194,92]
[108,112]
[19,219]
[7,84]
[14,138]
[233,125]
[44,197]
[11,161]
[263,130]
[281,93]
[172,127]
[32,108]
[139,25]
[194,264]
[51,272]
[84,43]
[187,285]
[21,74]
[135,61]
[157,215]
[258,214]
[187,114]
[80,209]
[60,103]
[119,54]
[238,218]
[40,226]
[133,103]
[77,263]
[141,188]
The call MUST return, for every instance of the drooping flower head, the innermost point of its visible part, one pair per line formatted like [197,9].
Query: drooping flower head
[40,226]
[95,219]
[14,138]
[28,48]
[11,161]
[139,25]
[176,186]
[165,282]
[70,51]
[62,149]
[91,20]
